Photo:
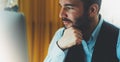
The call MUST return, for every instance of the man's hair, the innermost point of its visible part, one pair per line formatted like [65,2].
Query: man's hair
[88,3]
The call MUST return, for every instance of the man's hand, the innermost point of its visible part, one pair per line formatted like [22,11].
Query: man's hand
[70,38]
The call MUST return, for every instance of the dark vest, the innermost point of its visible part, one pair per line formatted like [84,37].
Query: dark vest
[104,49]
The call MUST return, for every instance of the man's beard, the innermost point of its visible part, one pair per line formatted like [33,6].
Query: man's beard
[82,23]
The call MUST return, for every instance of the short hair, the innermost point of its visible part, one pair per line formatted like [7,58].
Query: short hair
[88,3]
[13,8]
[12,5]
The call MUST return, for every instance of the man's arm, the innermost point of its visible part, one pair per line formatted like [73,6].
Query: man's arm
[55,54]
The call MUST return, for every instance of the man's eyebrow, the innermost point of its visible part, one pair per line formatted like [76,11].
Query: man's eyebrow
[69,5]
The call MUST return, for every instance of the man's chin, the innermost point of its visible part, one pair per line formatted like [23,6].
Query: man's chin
[68,26]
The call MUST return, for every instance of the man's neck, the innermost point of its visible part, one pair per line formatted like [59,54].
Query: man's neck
[89,30]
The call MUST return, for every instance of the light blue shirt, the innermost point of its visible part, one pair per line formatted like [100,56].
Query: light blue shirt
[55,54]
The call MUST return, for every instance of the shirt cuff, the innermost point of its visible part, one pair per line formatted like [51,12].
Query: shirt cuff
[57,52]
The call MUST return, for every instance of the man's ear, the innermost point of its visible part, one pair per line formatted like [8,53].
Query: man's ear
[93,10]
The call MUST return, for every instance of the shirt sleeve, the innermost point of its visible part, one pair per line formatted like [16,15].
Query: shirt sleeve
[118,47]
[55,54]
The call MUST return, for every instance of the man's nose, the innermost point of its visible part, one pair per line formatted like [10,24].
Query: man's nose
[62,13]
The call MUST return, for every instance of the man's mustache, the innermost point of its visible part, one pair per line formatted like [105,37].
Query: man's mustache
[65,19]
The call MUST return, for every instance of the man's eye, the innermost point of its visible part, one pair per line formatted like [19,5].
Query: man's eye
[68,8]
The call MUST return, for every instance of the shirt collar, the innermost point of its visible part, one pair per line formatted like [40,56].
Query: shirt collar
[97,30]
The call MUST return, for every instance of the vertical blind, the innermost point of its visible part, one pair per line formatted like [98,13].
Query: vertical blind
[42,20]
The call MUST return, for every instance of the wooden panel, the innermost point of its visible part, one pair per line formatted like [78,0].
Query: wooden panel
[42,21]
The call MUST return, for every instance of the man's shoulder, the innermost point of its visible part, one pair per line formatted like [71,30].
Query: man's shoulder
[110,25]
[10,15]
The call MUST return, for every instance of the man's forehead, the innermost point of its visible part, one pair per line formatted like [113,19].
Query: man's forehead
[63,2]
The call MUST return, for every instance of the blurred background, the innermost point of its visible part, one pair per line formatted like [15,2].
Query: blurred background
[42,21]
